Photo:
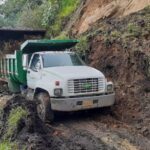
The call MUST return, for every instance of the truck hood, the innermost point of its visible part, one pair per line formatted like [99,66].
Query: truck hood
[73,72]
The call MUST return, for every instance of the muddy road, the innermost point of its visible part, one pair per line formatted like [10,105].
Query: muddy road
[98,129]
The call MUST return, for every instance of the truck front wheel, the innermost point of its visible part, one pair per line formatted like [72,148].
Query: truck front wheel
[44,110]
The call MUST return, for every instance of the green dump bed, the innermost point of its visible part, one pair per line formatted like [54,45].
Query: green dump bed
[11,66]
[11,71]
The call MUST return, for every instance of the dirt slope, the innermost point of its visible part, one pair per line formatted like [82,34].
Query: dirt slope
[121,49]
[91,11]
[119,45]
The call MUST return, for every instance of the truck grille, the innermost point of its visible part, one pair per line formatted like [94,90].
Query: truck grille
[89,85]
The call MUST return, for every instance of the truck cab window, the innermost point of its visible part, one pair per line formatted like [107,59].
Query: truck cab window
[61,59]
[35,64]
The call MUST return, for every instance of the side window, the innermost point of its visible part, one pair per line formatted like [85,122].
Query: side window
[35,64]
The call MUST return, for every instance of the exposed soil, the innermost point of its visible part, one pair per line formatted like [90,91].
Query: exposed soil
[87,130]
[124,57]
[90,12]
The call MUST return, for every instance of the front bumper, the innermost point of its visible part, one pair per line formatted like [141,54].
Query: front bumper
[82,103]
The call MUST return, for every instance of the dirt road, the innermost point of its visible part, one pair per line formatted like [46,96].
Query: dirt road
[97,129]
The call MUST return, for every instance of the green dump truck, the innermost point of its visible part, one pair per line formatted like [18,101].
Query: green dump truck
[56,77]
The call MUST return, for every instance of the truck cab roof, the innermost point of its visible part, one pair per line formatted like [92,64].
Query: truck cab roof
[32,46]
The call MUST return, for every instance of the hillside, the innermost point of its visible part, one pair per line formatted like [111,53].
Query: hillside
[118,38]
[121,49]
[119,45]
[91,11]
[115,38]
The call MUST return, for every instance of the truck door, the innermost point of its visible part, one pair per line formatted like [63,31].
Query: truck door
[34,71]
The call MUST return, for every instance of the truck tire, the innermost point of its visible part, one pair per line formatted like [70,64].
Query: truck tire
[44,110]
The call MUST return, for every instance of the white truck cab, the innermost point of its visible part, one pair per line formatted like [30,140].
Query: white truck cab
[61,81]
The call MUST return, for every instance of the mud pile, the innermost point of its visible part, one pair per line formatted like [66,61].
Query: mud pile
[31,133]
[121,50]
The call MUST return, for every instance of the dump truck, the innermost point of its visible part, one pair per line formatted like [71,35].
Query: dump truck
[55,77]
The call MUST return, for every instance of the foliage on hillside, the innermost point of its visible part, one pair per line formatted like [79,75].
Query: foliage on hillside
[49,14]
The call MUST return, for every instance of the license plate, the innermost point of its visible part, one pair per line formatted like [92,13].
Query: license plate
[88,103]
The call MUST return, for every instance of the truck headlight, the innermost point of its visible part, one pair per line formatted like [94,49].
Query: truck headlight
[58,92]
[110,88]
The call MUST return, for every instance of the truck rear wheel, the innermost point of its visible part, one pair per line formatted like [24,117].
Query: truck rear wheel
[44,110]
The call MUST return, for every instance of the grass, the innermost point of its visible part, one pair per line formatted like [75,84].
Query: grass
[15,116]
[8,146]
[5,146]
[116,34]
[13,120]
[133,30]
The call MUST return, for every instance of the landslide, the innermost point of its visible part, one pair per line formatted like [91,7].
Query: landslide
[90,12]
[21,128]
[120,48]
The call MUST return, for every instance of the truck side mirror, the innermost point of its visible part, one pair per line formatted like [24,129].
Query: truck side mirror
[25,62]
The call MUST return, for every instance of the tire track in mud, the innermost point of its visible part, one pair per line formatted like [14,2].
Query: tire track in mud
[96,128]
[88,130]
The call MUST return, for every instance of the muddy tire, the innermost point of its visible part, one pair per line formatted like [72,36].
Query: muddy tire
[44,110]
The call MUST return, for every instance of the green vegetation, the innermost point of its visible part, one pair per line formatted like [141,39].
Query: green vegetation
[67,7]
[133,30]
[11,127]
[83,45]
[31,18]
[62,36]
[58,14]
[8,146]
[115,34]
[15,116]
[48,14]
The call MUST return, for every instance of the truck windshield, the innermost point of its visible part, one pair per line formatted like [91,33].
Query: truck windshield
[61,59]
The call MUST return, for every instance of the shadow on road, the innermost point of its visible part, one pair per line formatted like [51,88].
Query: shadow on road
[61,117]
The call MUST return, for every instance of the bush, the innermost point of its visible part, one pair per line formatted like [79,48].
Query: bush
[62,36]
[67,7]
[83,45]
[31,18]
[133,30]
[59,11]
[11,10]
[50,11]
